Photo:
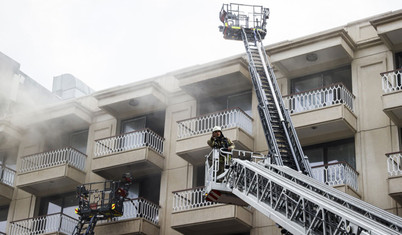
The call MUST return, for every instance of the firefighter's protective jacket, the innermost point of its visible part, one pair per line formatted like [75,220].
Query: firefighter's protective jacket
[220,142]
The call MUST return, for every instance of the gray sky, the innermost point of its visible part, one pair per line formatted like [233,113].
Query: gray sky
[106,43]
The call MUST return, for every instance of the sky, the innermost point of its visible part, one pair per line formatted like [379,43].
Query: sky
[106,43]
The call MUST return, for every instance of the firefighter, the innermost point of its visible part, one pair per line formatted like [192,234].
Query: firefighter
[218,140]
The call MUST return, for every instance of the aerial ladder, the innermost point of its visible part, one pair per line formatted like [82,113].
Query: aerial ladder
[100,201]
[280,184]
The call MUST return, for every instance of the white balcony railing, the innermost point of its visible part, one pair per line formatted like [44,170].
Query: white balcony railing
[189,199]
[204,124]
[394,163]
[392,80]
[129,141]
[54,223]
[317,98]
[7,175]
[52,158]
[336,174]
[139,208]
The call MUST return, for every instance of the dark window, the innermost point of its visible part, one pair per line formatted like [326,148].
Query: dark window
[332,152]
[398,60]
[79,140]
[65,203]
[3,218]
[214,104]
[198,176]
[146,187]
[314,81]
[154,121]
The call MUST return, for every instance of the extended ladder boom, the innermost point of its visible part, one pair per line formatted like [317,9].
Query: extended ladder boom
[280,185]
[283,143]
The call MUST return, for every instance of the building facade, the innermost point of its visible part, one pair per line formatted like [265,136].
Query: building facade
[343,90]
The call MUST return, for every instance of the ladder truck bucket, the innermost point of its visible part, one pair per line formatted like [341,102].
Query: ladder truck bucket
[100,201]
[236,17]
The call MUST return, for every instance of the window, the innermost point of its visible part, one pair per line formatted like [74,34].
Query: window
[319,97]
[214,104]
[147,187]
[332,152]
[65,204]
[79,140]
[314,81]
[198,176]
[398,60]
[154,121]
[3,218]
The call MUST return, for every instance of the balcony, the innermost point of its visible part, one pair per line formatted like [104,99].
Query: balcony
[71,115]
[7,176]
[322,115]
[192,214]
[394,165]
[392,97]
[206,80]
[308,55]
[139,152]
[340,175]
[140,217]
[53,172]
[132,100]
[53,224]
[389,29]
[193,133]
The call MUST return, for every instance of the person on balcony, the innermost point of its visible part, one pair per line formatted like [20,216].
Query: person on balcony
[218,140]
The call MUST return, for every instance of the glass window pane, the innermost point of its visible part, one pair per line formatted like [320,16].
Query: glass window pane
[315,155]
[53,208]
[306,83]
[342,152]
[69,205]
[242,101]
[199,175]
[133,125]
[78,140]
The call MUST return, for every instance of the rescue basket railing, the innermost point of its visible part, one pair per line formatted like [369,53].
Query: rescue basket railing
[227,118]
[320,97]
[139,208]
[391,80]
[52,158]
[7,175]
[338,173]
[394,163]
[188,199]
[129,141]
[221,156]
[52,223]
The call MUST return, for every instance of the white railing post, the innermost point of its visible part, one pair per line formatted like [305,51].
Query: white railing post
[314,99]
[205,123]
[7,175]
[336,174]
[43,224]
[391,80]
[129,141]
[394,163]
[189,199]
[58,157]
[139,208]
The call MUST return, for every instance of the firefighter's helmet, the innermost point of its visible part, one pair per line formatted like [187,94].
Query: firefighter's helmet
[217,128]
